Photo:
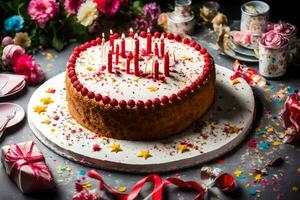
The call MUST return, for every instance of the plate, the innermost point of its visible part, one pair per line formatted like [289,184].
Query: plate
[229,52]
[241,50]
[7,107]
[223,127]
[16,90]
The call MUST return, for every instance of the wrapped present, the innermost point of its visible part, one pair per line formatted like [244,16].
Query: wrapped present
[25,164]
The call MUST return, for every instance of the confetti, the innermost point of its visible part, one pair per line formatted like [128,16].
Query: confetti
[264,146]
[115,147]
[252,143]
[122,189]
[237,172]
[40,109]
[182,148]
[252,191]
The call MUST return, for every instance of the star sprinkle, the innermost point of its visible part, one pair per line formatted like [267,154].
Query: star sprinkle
[276,143]
[237,172]
[86,185]
[46,100]
[115,147]
[144,154]
[182,148]
[122,189]
[235,82]
[258,177]
[40,109]
[89,68]
[46,121]
[152,89]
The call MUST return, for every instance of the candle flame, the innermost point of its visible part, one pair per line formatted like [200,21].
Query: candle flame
[162,37]
[136,36]
[131,29]
[148,30]
[110,31]
[103,35]
[123,36]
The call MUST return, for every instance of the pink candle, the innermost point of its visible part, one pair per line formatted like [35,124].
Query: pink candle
[156,70]
[162,47]
[156,50]
[109,61]
[167,64]
[137,45]
[136,65]
[123,53]
[117,54]
[111,40]
[149,41]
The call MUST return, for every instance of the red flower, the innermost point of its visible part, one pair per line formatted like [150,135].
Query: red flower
[108,7]
[291,117]
[26,65]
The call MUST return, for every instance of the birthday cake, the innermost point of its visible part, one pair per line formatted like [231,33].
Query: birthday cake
[144,87]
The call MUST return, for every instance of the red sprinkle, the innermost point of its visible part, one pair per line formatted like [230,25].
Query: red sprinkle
[143,34]
[122,103]
[91,95]
[170,36]
[79,87]
[157,34]
[173,97]
[98,97]
[96,147]
[131,103]
[149,103]
[140,104]
[197,47]
[84,91]
[178,38]
[186,40]
[203,51]
[156,101]
[114,102]
[164,99]
[106,100]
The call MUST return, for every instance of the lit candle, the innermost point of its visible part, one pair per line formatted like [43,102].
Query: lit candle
[131,34]
[112,40]
[137,45]
[156,50]
[156,69]
[123,53]
[109,61]
[103,39]
[117,53]
[136,65]
[166,64]
[162,46]
[149,41]
[128,62]
[102,48]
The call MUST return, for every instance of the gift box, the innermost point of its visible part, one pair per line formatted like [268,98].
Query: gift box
[25,164]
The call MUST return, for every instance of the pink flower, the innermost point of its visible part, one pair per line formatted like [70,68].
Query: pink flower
[291,117]
[108,7]
[10,53]
[7,40]
[26,65]
[42,10]
[72,6]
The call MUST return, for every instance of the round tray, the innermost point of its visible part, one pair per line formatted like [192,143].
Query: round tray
[219,131]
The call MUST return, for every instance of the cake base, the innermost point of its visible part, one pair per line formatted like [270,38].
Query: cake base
[220,130]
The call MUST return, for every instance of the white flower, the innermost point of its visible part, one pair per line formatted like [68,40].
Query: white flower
[87,13]
[22,39]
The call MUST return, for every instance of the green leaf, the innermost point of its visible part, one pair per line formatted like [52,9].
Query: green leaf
[57,43]
[137,7]
[43,40]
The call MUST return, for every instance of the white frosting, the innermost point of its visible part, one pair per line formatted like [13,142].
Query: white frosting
[189,65]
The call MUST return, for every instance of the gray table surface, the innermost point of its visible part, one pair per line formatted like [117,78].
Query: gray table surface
[66,172]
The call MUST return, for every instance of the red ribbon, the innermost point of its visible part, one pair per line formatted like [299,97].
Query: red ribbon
[225,182]
[20,157]
[251,76]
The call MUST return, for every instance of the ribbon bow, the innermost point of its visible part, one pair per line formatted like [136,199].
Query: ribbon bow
[21,156]
[251,76]
[224,181]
